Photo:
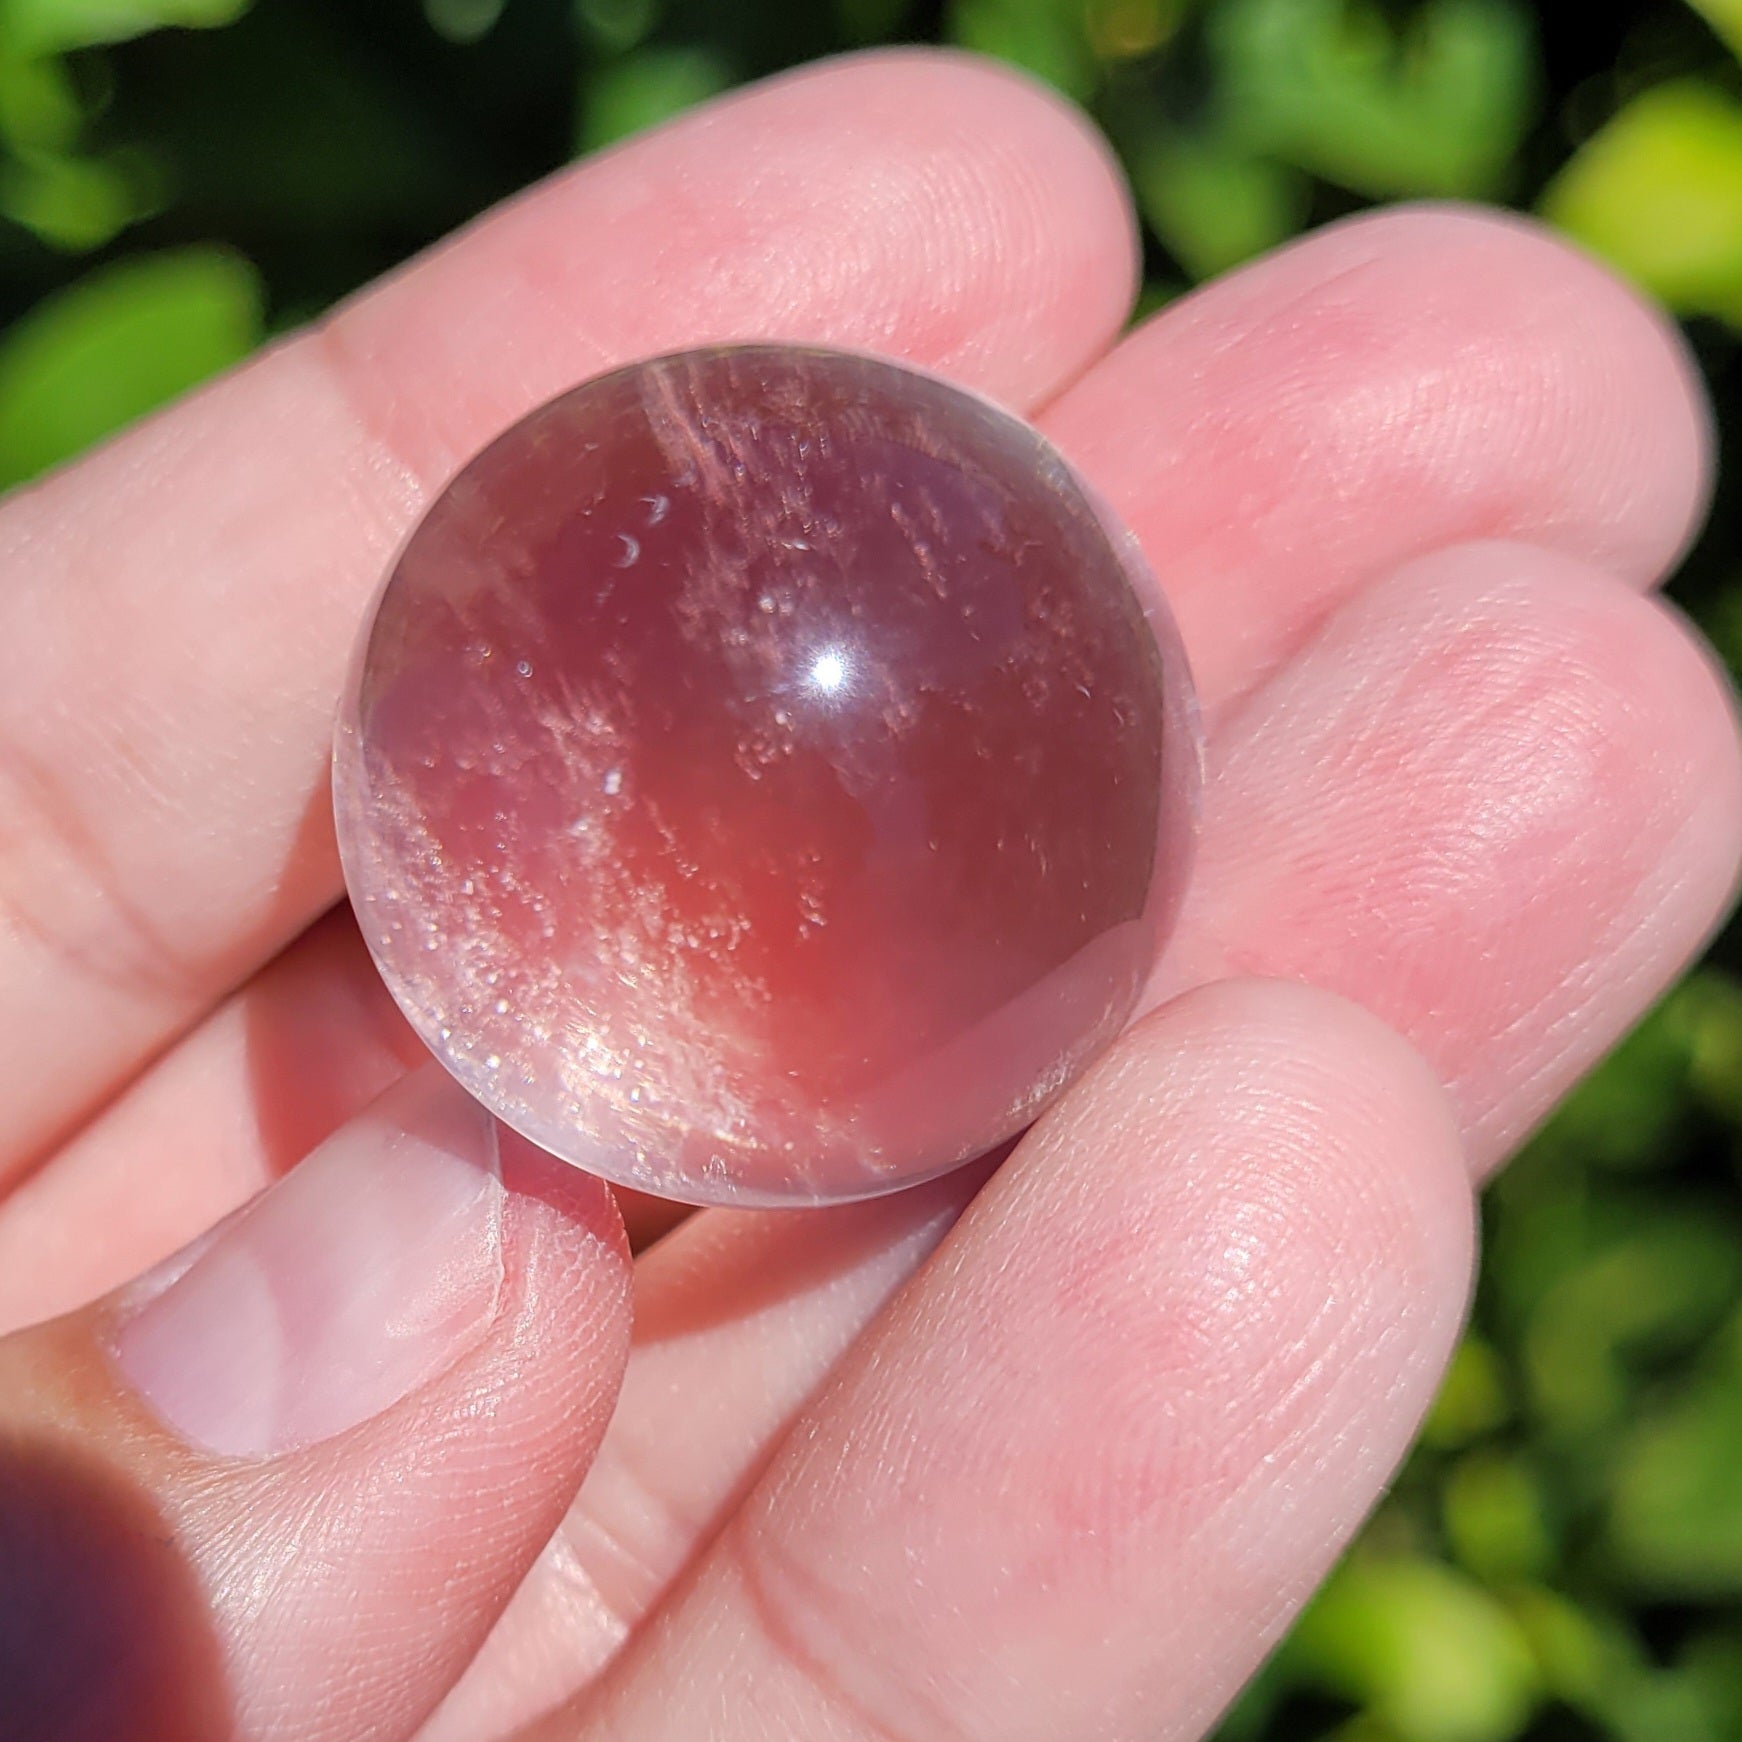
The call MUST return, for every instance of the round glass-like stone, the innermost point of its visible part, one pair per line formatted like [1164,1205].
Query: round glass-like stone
[767,776]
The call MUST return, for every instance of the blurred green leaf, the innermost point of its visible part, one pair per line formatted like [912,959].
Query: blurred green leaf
[1328,86]
[1496,1518]
[1250,1715]
[872,20]
[341,151]
[1652,1289]
[1472,1397]
[1712,1663]
[71,199]
[1675,1519]
[463,20]
[39,109]
[1048,38]
[647,87]
[72,203]
[1157,294]
[1430,1654]
[1725,17]
[1214,206]
[1628,1112]
[116,344]
[1721,618]
[1581,1657]
[1658,193]
[618,25]
[43,27]
[1125,29]
[1697,1699]
[1710,1005]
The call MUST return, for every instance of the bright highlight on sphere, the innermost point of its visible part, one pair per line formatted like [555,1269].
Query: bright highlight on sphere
[829,672]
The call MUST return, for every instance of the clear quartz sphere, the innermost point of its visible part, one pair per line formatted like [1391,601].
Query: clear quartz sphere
[767,776]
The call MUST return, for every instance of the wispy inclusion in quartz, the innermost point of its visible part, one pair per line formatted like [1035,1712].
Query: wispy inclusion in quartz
[760,781]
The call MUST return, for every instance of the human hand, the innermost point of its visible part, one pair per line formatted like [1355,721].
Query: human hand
[1055,1462]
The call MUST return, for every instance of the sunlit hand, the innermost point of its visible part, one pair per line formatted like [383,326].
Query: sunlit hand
[1056,1466]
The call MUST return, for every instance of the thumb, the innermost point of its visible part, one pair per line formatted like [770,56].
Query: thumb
[281,1487]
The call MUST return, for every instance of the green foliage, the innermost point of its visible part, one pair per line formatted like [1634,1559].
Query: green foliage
[1725,17]
[1438,108]
[1047,37]
[1423,1649]
[51,184]
[617,24]
[1496,1517]
[1214,203]
[1674,1518]
[640,91]
[463,20]
[1561,1560]
[44,27]
[117,343]
[1659,193]
[1298,89]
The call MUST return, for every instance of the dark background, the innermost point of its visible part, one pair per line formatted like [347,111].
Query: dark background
[181,178]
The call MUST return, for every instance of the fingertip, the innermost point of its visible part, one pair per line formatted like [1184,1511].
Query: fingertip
[918,203]
[360,1408]
[1498,800]
[566,1310]
[1610,367]
[1713,849]
[1314,1077]
[1018,186]
[1646,706]
[1386,386]
[552,1198]
[1191,1326]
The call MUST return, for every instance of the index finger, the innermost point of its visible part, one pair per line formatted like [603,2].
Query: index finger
[176,612]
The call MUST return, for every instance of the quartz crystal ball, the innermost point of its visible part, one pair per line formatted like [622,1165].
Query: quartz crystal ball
[767,776]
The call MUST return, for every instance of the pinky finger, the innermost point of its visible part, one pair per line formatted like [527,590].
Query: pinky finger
[1077,1478]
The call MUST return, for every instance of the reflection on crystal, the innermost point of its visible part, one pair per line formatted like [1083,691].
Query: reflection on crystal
[760,781]
[829,673]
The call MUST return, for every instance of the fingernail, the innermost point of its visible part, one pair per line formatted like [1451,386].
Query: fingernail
[368,1271]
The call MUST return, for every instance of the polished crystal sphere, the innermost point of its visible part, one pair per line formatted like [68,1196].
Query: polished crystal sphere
[767,776]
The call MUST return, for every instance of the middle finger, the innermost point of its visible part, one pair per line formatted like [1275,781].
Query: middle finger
[1422,377]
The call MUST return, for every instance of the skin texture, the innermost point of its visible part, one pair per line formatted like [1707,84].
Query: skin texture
[934,1467]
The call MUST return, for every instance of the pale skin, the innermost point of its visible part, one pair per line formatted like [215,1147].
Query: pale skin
[1058,1465]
